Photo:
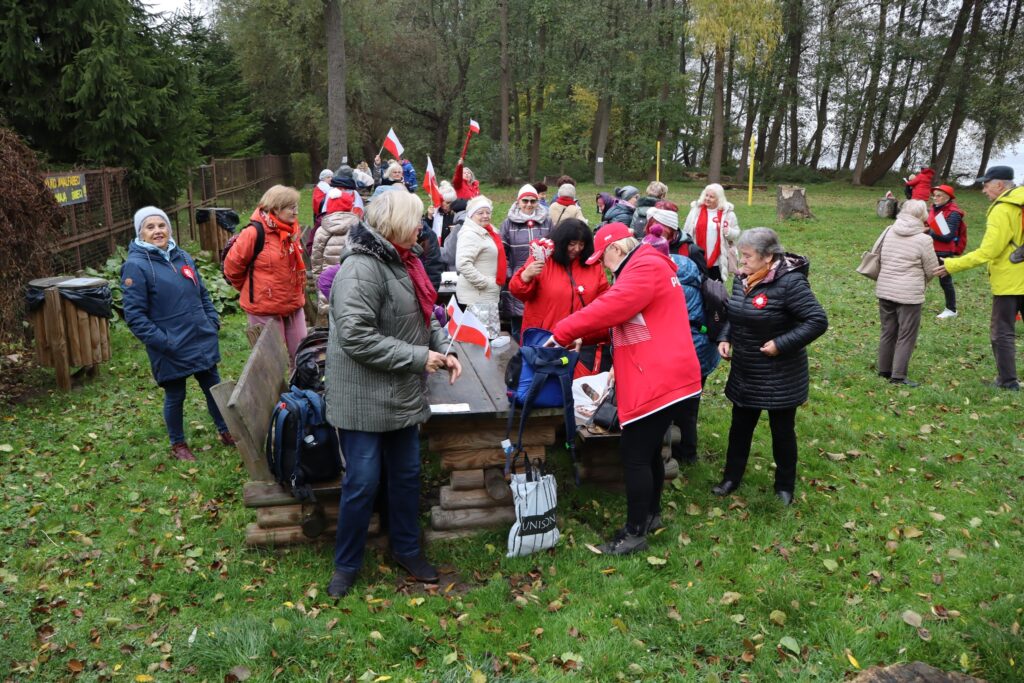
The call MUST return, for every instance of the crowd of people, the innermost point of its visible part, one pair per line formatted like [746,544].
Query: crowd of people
[627,293]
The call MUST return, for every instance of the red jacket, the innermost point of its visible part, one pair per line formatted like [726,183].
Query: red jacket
[956,241]
[652,350]
[319,194]
[279,288]
[921,185]
[464,190]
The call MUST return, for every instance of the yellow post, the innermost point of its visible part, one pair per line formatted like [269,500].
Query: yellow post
[750,182]
[657,167]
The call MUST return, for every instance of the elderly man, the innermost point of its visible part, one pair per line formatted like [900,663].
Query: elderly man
[1001,250]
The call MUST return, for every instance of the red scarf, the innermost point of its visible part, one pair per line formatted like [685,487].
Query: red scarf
[426,295]
[565,201]
[701,235]
[290,233]
[502,275]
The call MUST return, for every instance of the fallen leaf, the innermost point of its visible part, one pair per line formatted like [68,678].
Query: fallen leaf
[852,659]
[620,624]
[478,676]
[415,602]
[965,661]
[693,509]
[450,658]
[777,617]
[830,565]
[938,516]
[238,673]
[925,429]
[789,643]
[144,678]
[76,666]
[836,457]
[555,605]
[975,522]
[729,598]
[593,548]
[6,448]
[912,532]
[911,617]
[656,561]
[737,618]
[376,635]
[674,614]
[924,634]
[956,554]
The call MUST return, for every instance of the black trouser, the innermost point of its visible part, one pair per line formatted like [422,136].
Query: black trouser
[783,426]
[642,464]
[686,449]
[946,282]
[1003,335]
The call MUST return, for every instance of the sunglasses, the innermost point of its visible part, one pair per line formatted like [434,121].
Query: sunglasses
[528,201]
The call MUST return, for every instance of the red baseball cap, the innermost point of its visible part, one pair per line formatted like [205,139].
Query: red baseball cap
[947,189]
[607,234]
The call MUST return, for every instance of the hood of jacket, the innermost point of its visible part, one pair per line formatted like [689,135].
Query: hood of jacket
[906,226]
[362,239]
[1014,197]
[790,263]
[539,215]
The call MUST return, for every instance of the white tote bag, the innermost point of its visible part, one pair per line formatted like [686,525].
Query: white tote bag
[535,500]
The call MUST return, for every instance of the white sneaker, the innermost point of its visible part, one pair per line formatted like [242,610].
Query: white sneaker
[946,313]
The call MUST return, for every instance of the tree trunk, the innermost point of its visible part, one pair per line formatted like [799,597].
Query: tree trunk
[604,115]
[717,119]
[337,115]
[881,165]
[539,109]
[991,122]
[869,96]
[944,161]
[729,81]
[794,38]
[748,129]
[910,69]
[890,82]
[505,86]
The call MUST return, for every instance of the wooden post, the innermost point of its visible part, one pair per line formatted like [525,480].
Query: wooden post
[54,322]
[105,338]
[84,337]
[97,343]
[71,330]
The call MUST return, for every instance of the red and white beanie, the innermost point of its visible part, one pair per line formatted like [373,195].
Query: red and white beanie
[527,191]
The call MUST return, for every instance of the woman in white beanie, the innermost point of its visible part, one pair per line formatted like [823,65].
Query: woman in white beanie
[565,206]
[481,264]
[168,309]
[713,226]
[320,195]
[527,220]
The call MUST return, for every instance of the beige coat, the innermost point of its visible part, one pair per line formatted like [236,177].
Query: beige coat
[476,261]
[559,212]
[328,243]
[907,261]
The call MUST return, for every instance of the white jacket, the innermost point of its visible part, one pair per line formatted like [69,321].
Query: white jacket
[730,227]
[476,261]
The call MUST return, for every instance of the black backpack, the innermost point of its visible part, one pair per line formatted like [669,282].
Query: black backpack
[257,248]
[311,361]
[302,448]
[716,307]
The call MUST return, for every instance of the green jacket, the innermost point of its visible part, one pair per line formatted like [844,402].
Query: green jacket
[378,343]
[1003,233]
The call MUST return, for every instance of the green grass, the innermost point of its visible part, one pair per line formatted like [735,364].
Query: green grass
[120,563]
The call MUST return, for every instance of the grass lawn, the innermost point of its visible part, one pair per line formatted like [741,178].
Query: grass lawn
[904,543]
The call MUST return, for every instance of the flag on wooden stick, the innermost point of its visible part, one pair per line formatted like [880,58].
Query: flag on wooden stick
[392,144]
[430,184]
[474,127]
[464,326]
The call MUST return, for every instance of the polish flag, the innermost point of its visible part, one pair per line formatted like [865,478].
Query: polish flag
[938,224]
[464,326]
[392,144]
[474,127]
[430,184]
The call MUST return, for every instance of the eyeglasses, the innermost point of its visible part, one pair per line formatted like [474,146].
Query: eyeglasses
[528,201]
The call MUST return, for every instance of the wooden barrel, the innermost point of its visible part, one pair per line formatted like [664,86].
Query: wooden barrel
[212,237]
[44,353]
[67,336]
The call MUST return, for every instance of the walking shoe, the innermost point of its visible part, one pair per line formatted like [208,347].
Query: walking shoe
[724,488]
[884,374]
[785,496]
[1008,387]
[946,313]
[624,543]
[904,381]
[227,439]
[341,583]
[653,523]
[418,567]
[181,451]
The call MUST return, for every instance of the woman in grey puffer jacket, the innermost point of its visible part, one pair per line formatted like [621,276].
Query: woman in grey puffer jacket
[527,221]
[907,260]
[383,341]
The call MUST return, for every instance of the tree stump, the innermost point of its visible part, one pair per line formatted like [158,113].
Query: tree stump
[914,672]
[791,202]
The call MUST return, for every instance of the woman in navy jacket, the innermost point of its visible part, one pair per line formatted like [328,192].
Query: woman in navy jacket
[167,307]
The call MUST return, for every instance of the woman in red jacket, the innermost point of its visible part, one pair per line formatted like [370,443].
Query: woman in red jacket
[919,185]
[561,284]
[657,375]
[464,181]
[272,280]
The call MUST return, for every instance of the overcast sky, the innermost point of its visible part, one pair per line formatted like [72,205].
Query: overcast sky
[1013,156]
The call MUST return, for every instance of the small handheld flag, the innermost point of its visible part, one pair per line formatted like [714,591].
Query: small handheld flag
[474,127]
[392,144]
[430,184]
[464,326]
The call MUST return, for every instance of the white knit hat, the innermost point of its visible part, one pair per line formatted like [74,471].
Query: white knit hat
[476,203]
[567,190]
[527,190]
[145,212]
[670,219]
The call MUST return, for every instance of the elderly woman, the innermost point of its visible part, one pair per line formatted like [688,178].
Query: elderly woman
[713,227]
[392,177]
[168,309]
[320,195]
[907,260]
[656,192]
[464,181]
[343,208]
[481,264]
[773,316]
[657,376]
[266,265]
[527,220]
[948,230]
[561,284]
[565,206]
[383,340]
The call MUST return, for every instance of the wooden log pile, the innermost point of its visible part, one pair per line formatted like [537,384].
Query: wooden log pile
[66,336]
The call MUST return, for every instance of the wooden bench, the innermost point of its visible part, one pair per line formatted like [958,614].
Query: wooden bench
[601,465]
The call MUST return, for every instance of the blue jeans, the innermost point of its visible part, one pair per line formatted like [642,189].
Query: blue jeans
[364,453]
[174,403]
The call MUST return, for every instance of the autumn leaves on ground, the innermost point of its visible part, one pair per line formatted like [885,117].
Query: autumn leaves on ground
[904,543]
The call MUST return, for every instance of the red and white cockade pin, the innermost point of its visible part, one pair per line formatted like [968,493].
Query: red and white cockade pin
[760,301]
[186,271]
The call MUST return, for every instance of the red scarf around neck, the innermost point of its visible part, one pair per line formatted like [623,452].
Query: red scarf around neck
[565,201]
[701,235]
[426,295]
[290,233]
[502,274]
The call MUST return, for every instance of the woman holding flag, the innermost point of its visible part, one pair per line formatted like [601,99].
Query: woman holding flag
[465,183]
[383,339]
[481,263]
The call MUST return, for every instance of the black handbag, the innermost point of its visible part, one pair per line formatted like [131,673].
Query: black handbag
[606,416]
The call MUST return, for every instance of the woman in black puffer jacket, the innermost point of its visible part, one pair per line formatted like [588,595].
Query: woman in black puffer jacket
[773,316]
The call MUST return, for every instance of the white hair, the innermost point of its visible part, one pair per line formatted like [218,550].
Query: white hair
[326,174]
[715,189]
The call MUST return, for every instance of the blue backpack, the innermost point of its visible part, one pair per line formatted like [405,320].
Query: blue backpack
[540,377]
[302,448]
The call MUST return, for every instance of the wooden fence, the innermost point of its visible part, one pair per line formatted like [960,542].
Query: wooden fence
[95,228]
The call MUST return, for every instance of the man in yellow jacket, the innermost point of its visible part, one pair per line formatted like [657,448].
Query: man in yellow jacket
[1001,250]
